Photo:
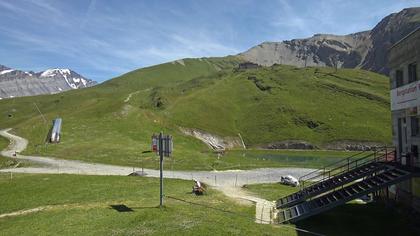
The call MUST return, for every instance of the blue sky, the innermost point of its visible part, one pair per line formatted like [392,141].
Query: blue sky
[102,39]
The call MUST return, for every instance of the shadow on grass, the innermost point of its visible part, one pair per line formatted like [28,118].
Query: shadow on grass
[121,208]
[125,208]
[359,219]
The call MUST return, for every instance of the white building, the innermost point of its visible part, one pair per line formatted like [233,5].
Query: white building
[404,62]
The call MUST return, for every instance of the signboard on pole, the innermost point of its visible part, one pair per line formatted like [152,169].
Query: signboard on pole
[163,146]
[167,144]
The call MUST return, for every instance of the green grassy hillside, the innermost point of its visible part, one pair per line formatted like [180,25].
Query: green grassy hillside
[3,144]
[281,103]
[84,207]
[113,122]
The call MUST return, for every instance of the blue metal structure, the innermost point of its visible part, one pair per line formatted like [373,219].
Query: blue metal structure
[56,131]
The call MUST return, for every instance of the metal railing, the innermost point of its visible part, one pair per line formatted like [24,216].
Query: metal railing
[324,169]
[345,165]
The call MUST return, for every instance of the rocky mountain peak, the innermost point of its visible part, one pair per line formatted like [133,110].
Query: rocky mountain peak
[386,33]
[17,83]
[73,79]
[366,50]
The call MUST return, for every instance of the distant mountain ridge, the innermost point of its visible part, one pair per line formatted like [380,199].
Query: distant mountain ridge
[17,83]
[366,50]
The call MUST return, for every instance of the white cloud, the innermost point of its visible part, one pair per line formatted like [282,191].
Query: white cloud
[90,9]
[45,6]
[10,7]
[287,18]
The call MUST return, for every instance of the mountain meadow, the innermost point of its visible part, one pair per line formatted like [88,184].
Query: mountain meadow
[317,108]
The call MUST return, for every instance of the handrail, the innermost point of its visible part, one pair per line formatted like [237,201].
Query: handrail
[348,164]
[376,149]
[326,169]
[382,157]
[327,173]
[378,155]
[334,163]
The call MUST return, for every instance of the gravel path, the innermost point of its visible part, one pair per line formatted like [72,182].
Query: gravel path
[229,182]
[130,95]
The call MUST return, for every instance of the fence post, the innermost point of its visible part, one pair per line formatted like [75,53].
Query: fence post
[375,156]
[262,212]
[348,163]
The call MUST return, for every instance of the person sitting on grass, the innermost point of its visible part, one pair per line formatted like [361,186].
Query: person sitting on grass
[198,188]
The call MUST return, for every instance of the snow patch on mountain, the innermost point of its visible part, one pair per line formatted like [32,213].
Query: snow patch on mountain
[6,71]
[54,72]
[73,86]
[80,80]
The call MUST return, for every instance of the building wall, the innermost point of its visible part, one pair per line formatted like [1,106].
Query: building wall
[403,54]
[405,103]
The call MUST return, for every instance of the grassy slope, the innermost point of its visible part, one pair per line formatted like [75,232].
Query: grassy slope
[83,207]
[99,126]
[349,105]
[3,144]
[349,219]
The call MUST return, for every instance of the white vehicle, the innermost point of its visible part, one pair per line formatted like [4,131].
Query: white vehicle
[289,180]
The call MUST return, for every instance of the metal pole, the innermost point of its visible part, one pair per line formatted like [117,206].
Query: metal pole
[161,168]
[45,120]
